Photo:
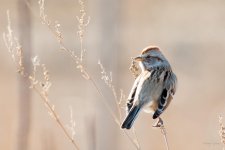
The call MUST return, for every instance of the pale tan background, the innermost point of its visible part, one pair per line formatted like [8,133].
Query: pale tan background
[190,33]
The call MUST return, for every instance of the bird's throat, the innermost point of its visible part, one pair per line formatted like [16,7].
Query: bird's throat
[142,66]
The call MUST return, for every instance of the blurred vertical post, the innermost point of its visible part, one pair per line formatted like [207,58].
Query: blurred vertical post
[105,45]
[24,26]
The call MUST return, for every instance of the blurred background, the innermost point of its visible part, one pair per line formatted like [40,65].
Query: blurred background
[190,33]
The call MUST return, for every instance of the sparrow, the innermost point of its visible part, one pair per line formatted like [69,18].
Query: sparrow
[153,89]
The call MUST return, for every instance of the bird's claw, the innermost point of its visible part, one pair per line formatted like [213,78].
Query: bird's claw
[158,123]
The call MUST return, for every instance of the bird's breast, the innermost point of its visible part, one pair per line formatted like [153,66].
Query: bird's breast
[151,107]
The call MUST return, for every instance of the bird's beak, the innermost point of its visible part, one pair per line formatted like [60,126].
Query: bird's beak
[138,58]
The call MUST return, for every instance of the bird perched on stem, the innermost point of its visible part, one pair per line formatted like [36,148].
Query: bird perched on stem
[153,89]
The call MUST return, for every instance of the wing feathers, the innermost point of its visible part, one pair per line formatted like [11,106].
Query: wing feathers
[167,93]
[132,94]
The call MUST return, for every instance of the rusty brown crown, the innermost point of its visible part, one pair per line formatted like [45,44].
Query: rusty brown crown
[149,48]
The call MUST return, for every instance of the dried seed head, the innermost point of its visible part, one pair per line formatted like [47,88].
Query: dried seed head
[134,68]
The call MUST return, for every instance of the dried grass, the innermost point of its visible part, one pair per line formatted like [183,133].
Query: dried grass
[83,22]
[14,47]
[222,131]
[40,85]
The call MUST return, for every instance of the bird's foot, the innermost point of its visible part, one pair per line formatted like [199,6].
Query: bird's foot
[158,123]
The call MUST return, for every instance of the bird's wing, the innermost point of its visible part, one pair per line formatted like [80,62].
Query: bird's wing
[167,94]
[131,96]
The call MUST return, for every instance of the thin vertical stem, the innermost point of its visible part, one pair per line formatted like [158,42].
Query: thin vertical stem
[163,131]
[56,117]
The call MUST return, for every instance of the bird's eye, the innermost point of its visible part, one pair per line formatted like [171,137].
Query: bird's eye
[148,57]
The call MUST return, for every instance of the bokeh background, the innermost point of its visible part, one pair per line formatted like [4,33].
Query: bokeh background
[190,33]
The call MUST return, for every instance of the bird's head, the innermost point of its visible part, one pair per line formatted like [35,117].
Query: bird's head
[151,57]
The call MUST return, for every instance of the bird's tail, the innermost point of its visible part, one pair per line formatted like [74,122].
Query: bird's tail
[128,122]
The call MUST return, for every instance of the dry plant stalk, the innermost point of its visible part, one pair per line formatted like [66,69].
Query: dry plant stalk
[83,21]
[159,124]
[107,78]
[55,30]
[163,131]
[72,125]
[222,131]
[14,47]
[40,85]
